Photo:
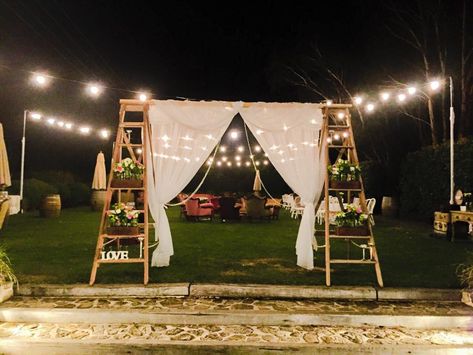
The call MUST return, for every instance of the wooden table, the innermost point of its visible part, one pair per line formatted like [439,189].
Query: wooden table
[461,216]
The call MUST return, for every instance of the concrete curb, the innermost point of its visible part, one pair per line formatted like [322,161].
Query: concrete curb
[107,316]
[366,293]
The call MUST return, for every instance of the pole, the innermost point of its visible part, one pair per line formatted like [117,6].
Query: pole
[23,144]
[452,137]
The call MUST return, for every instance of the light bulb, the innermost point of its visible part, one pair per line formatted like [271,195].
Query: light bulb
[257,163]
[84,130]
[341,115]
[329,102]
[105,134]
[385,96]
[229,163]
[143,97]
[358,100]
[234,135]
[224,158]
[434,85]
[257,148]
[241,149]
[265,162]
[411,90]
[139,151]
[51,120]
[237,158]
[40,80]
[370,107]
[68,125]
[247,163]
[94,89]
[223,149]
[36,116]
[401,97]
[60,124]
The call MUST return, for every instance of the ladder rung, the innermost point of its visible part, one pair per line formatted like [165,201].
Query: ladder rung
[119,261]
[113,236]
[339,127]
[131,124]
[341,146]
[130,144]
[351,261]
[333,236]
[330,189]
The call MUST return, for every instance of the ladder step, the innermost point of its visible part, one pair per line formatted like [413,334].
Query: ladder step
[130,145]
[330,189]
[119,261]
[343,127]
[113,236]
[341,146]
[131,125]
[333,236]
[351,261]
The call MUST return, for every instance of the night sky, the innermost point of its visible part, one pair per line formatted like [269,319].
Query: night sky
[224,51]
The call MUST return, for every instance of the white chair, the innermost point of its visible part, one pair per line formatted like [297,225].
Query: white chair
[370,203]
[289,201]
[297,208]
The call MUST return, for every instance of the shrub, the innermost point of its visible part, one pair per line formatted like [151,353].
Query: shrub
[34,191]
[425,178]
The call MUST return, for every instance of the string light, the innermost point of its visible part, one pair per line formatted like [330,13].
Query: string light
[358,100]
[142,97]
[139,151]
[224,158]
[336,136]
[341,115]
[234,135]
[411,90]
[94,89]
[105,134]
[385,96]
[229,163]
[370,107]
[257,148]
[265,162]
[39,79]
[247,163]
[345,134]
[329,102]
[257,163]
[219,163]
[51,120]
[36,116]
[238,163]
[84,130]
[241,149]
[223,149]
[434,85]
[60,124]
[68,125]
[237,158]
[401,97]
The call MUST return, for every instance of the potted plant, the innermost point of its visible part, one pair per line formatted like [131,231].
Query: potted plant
[465,274]
[344,175]
[128,174]
[122,220]
[7,277]
[352,222]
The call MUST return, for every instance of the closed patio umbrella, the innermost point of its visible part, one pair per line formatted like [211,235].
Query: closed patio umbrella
[100,180]
[257,183]
[5,178]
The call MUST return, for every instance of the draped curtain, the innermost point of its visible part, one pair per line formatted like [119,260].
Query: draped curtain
[183,134]
[289,133]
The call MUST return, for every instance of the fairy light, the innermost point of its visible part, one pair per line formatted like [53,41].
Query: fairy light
[336,136]
[265,162]
[247,163]
[142,97]
[224,158]
[237,158]
[84,130]
[60,124]
[219,163]
[139,151]
[341,115]
[36,116]
[104,133]
[223,149]
[234,135]
[345,134]
[411,90]
[370,107]
[68,125]
[238,163]
[94,89]
[401,97]
[40,80]
[257,163]
[257,148]
[329,140]
[51,120]
[229,163]
[358,100]
[385,96]
[434,85]
[329,102]
[241,149]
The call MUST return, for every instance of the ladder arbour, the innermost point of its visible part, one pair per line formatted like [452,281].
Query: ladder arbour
[128,131]
[337,118]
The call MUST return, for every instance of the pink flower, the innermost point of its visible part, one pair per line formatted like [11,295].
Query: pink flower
[358,210]
[119,168]
[129,216]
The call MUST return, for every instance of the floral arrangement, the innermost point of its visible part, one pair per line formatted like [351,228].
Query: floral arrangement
[352,217]
[128,169]
[122,215]
[343,170]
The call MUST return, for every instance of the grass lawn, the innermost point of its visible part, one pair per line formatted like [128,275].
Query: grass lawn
[61,250]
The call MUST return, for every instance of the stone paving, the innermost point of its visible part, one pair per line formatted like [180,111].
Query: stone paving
[233,334]
[242,305]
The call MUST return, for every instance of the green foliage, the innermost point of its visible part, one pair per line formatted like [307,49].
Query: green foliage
[6,270]
[425,178]
[122,215]
[343,170]
[351,217]
[80,194]
[34,191]
[128,169]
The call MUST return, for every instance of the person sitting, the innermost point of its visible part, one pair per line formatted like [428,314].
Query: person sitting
[228,208]
[255,207]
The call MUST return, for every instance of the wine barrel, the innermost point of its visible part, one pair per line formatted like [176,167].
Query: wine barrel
[389,206]
[50,206]
[97,199]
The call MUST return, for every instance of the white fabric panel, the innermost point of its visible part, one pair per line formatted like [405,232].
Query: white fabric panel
[289,134]
[183,134]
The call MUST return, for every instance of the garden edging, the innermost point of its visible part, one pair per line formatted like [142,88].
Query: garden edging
[368,293]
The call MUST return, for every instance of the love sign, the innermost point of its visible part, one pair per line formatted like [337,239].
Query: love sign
[114,255]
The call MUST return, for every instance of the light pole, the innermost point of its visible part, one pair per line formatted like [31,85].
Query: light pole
[452,137]
[23,145]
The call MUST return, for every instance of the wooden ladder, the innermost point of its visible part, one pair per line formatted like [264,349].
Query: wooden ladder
[337,132]
[126,146]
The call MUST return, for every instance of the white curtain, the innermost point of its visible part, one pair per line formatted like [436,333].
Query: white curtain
[183,134]
[289,133]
